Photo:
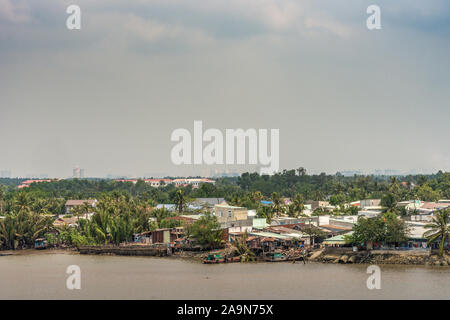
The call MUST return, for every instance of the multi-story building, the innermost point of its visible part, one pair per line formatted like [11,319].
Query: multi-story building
[195,183]
[78,173]
[158,182]
[317,204]
[70,204]
[370,203]
[226,213]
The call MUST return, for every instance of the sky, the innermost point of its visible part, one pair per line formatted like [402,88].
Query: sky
[107,97]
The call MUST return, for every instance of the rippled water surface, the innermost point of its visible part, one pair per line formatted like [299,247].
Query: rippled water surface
[42,276]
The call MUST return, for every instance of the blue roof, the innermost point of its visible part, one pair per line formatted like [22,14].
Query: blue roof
[266,202]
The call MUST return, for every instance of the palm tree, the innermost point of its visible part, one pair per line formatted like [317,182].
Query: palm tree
[180,200]
[439,229]
[256,197]
[298,204]
[161,215]
[318,196]
[277,203]
[236,200]
[22,202]
[393,180]
[301,171]
[86,208]
[266,212]
[290,210]
[77,212]
[8,228]
[22,228]
[389,201]
[242,250]
[1,199]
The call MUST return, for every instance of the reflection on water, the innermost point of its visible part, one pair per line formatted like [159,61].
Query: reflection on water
[42,276]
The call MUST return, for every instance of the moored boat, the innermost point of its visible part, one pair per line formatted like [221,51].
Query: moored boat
[233,259]
[40,244]
[214,258]
[218,258]
[274,257]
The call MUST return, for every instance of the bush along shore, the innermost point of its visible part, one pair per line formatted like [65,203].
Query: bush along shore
[426,257]
[324,255]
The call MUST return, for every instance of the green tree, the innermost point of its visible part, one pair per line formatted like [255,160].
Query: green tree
[180,200]
[86,208]
[22,202]
[277,204]
[206,231]
[298,204]
[426,193]
[265,212]
[368,230]
[314,233]
[241,249]
[389,201]
[396,229]
[2,195]
[337,199]
[385,229]
[22,228]
[439,229]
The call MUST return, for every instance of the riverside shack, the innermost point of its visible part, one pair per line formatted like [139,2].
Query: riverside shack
[336,241]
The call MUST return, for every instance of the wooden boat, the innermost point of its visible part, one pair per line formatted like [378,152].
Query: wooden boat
[214,258]
[274,257]
[40,244]
[218,258]
[233,259]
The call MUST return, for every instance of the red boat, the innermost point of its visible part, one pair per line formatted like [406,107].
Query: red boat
[234,259]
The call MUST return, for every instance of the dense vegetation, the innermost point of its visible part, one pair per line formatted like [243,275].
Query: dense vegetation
[336,188]
[384,229]
[115,219]
[125,208]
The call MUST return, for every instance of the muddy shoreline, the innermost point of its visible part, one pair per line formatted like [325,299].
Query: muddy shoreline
[318,256]
[23,252]
[391,257]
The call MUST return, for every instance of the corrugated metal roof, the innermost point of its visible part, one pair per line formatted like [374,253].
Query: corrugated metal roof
[271,235]
[337,239]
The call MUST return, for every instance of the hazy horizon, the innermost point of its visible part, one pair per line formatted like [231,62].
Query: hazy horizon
[377,172]
[107,97]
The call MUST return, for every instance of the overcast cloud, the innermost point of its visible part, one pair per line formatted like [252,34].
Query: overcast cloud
[108,96]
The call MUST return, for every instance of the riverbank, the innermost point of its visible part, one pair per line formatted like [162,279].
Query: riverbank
[25,252]
[40,276]
[395,257]
[323,255]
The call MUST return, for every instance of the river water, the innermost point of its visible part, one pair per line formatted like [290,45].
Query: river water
[43,276]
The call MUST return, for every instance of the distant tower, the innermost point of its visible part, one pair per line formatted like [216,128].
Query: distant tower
[81,173]
[76,173]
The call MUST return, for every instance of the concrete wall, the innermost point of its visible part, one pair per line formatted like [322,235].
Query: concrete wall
[370,203]
[229,213]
